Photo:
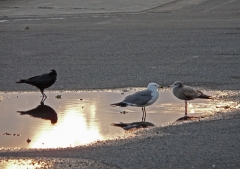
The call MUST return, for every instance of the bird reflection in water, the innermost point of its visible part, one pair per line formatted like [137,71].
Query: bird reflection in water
[42,111]
[136,125]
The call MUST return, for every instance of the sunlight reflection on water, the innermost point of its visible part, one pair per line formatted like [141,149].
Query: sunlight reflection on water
[24,163]
[79,118]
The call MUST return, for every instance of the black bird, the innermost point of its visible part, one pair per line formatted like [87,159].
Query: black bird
[42,81]
[42,111]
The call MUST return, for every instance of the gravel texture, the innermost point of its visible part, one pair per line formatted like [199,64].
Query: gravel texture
[113,50]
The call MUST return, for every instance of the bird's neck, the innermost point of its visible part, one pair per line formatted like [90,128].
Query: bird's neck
[180,85]
[52,74]
[152,89]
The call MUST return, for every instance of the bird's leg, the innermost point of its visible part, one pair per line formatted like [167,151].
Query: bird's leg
[43,94]
[185,107]
[44,97]
[42,102]
[143,114]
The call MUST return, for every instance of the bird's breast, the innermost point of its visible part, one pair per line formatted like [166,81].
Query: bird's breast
[155,96]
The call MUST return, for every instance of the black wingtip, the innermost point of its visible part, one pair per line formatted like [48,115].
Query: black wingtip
[118,124]
[121,104]
[206,96]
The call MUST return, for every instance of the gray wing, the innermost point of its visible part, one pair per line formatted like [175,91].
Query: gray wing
[190,93]
[139,98]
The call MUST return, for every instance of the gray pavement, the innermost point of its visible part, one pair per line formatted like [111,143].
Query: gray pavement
[56,7]
[197,44]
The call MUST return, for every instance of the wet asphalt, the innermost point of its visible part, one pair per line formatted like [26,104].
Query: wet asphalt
[198,44]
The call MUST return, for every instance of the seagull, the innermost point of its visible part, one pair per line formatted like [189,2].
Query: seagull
[187,93]
[141,99]
[42,81]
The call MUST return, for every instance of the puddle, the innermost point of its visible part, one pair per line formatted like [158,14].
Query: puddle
[24,163]
[81,117]
[49,162]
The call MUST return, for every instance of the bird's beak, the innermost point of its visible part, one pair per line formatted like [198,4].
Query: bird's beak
[170,85]
[159,88]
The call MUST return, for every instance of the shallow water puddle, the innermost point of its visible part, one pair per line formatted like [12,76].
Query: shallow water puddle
[78,118]
[24,163]
[47,163]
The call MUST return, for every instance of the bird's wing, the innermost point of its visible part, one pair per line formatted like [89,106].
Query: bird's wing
[139,98]
[189,92]
[42,79]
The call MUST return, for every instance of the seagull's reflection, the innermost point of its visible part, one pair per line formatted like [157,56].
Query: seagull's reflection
[185,118]
[128,126]
[42,111]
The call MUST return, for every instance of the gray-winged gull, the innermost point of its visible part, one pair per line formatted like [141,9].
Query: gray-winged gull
[141,99]
[187,93]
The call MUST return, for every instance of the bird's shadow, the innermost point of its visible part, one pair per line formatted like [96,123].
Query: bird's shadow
[42,111]
[186,118]
[133,125]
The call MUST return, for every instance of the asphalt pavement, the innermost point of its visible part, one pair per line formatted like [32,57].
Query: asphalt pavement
[194,41]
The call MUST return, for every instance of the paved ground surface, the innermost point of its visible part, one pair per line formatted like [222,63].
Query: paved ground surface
[198,44]
[193,41]
[56,7]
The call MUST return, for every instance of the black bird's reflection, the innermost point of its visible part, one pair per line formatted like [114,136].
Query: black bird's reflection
[42,111]
[128,126]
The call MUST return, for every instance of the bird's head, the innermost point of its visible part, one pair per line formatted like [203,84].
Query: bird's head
[52,71]
[176,84]
[152,86]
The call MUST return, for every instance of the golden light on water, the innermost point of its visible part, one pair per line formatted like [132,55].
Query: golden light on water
[72,130]
[24,163]
[79,118]
[190,106]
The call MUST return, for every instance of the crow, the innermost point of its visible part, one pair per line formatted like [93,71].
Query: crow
[42,81]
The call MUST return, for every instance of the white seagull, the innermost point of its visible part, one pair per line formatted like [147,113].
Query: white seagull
[187,93]
[141,99]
